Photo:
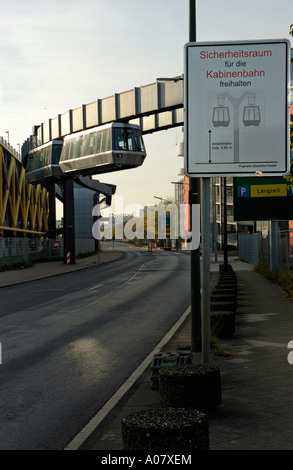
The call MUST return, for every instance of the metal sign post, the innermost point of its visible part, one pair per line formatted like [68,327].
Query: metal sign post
[236,123]
[206,244]
[195,300]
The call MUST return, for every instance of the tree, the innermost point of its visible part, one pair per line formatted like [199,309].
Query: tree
[289,177]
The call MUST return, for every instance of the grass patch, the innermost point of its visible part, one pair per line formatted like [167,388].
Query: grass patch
[40,258]
[184,347]
[14,266]
[280,278]
[216,349]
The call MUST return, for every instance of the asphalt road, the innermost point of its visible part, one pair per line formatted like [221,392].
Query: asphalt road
[69,342]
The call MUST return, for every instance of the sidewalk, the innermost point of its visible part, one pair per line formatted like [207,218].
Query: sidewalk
[257,380]
[54,268]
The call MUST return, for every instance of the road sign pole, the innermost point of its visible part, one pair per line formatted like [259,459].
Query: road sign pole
[195,254]
[225,239]
[206,244]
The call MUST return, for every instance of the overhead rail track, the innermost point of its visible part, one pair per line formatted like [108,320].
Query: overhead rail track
[153,107]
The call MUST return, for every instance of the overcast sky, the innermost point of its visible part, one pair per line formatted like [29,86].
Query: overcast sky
[57,55]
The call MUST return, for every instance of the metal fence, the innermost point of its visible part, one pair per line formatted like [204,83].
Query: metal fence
[16,250]
[249,247]
[254,247]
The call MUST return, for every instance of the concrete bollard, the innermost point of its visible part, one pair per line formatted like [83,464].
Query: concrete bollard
[222,324]
[162,430]
[229,268]
[225,291]
[223,306]
[191,386]
[231,298]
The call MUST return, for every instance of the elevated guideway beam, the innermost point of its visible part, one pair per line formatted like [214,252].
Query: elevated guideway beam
[160,121]
[154,107]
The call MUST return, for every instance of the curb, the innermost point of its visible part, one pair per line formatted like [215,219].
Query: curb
[80,438]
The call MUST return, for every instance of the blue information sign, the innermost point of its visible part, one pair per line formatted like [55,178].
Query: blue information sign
[243,191]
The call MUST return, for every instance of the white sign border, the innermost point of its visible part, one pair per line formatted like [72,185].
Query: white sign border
[245,172]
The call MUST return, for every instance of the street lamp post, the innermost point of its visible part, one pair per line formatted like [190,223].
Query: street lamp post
[195,300]
[161,199]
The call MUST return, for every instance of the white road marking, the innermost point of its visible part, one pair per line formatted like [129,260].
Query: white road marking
[95,287]
[98,418]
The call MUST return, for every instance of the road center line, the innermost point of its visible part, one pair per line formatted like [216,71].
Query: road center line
[134,275]
[95,287]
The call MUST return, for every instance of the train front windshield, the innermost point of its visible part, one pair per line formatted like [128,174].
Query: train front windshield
[128,139]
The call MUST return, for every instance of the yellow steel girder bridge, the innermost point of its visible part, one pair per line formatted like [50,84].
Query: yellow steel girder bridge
[24,208]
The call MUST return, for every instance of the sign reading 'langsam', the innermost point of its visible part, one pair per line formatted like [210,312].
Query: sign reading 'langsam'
[236,108]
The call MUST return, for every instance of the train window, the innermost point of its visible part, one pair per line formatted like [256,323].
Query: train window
[138,141]
[103,142]
[119,139]
[78,146]
[40,160]
[85,145]
[47,156]
[130,140]
[78,143]
[71,152]
[105,145]
[35,161]
[91,143]
[134,140]
[98,141]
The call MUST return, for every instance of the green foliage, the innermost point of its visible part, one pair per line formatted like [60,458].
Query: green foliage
[289,177]
[291,131]
[21,265]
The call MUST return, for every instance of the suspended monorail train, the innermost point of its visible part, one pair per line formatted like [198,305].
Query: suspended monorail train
[112,147]
[42,163]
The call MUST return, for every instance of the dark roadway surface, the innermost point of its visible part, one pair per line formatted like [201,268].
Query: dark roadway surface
[69,341]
